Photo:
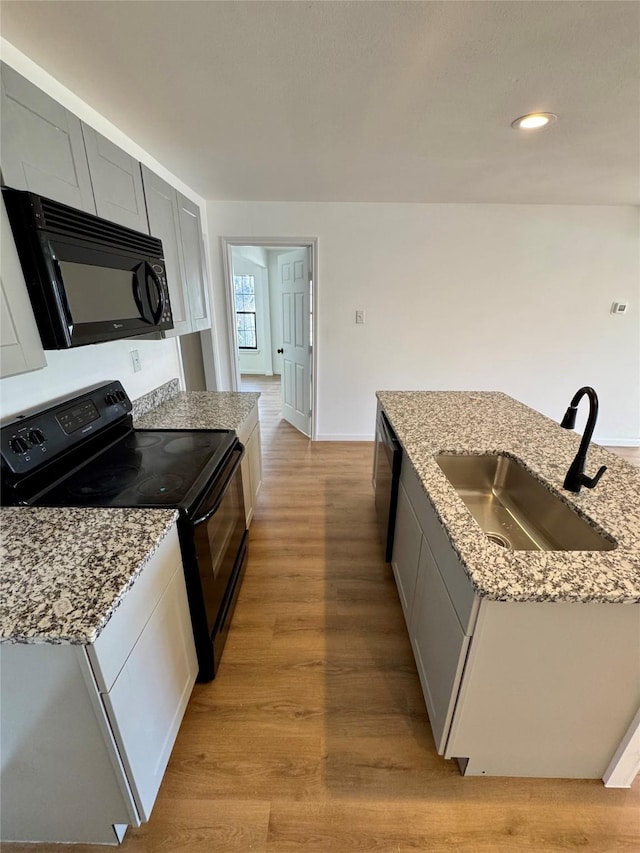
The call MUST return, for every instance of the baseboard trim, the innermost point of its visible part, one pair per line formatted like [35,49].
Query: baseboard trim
[333,437]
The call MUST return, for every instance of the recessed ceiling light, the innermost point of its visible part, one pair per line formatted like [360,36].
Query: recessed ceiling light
[533,121]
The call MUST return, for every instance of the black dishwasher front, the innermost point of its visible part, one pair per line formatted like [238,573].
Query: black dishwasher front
[388,458]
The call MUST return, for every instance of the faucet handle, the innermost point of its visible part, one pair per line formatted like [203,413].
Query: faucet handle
[590,482]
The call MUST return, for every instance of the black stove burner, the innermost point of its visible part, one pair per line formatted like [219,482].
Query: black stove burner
[189,444]
[161,486]
[104,484]
[140,439]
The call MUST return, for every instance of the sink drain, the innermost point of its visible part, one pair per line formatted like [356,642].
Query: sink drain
[499,539]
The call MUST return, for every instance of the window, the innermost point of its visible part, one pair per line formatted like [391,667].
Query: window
[244,288]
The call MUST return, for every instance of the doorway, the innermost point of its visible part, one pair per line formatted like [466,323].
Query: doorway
[271,290]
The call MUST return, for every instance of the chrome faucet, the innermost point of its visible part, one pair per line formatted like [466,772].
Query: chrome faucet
[576,478]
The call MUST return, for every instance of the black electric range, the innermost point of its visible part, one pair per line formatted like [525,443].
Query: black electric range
[83,450]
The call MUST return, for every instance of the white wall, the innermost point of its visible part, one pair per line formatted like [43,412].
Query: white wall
[513,298]
[69,370]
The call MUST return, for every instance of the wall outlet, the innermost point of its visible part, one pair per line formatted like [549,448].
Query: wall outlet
[359,316]
[135,361]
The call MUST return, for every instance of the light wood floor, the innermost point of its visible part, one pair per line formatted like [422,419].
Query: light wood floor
[314,736]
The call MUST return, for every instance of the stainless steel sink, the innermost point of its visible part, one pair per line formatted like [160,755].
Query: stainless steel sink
[515,509]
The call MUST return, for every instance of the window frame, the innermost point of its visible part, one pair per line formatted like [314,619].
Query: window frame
[243,312]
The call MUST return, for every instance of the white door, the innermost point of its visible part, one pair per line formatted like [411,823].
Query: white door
[293,272]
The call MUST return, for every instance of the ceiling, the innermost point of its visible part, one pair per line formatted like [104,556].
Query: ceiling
[359,101]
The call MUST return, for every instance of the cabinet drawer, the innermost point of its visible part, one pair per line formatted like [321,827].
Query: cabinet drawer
[458,585]
[110,651]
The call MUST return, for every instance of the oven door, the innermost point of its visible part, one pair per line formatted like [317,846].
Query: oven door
[218,532]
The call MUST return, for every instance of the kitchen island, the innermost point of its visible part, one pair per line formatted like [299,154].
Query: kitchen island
[529,660]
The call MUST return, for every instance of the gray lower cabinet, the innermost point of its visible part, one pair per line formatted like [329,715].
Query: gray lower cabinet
[512,688]
[87,731]
[116,181]
[439,646]
[20,344]
[176,221]
[42,147]
[406,552]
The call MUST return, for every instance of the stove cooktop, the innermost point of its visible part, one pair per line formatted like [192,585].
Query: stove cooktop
[146,468]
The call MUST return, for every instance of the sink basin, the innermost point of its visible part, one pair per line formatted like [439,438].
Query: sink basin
[515,509]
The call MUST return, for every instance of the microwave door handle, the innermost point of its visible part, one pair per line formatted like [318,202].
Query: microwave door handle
[142,276]
[62,296]
[137,291]
[157,314]
[220,491]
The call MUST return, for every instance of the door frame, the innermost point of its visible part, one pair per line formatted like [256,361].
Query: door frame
[310,243]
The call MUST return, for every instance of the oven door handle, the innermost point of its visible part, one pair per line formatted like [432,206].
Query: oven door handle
[231,467]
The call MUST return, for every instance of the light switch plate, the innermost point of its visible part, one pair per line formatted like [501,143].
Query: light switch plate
[619,307]
[135,361]
[360,317]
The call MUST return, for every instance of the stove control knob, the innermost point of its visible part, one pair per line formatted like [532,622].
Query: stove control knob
[36,436]
[19,445]
[120,395]
[110,399]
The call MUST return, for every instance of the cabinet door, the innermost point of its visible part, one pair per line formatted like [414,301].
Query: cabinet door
[164,223]
[116,180]
[194,267]
[406,552]
[146,704]
[247,490]
[255,461]
[251,466]
[20,345]
[439,646]
[42,146]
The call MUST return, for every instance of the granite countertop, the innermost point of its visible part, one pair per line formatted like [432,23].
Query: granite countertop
[201,410]
[431,422]
[65,571]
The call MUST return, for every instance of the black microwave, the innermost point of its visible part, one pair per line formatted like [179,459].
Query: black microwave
[89,279]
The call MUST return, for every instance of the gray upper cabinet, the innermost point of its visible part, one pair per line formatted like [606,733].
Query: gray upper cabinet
[20,346]
[194,267]
[116,180]
[42,146]
[176,221]
[164,223]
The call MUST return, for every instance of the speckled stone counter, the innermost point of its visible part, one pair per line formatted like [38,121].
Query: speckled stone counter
[201,410]
[431,422]
[155,398]
[65,571]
